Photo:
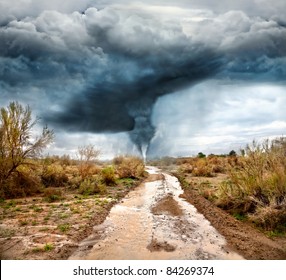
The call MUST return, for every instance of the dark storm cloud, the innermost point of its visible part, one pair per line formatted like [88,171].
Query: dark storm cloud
[110,65]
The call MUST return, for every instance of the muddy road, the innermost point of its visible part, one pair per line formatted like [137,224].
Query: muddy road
[153,222]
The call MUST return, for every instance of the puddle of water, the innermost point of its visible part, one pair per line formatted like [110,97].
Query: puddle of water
[132,231]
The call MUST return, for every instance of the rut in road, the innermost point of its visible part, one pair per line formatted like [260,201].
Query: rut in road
[153,222]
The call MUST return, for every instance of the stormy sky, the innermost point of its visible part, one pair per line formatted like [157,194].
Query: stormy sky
[171,77]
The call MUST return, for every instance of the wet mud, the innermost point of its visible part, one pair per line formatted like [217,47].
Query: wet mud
[154,222]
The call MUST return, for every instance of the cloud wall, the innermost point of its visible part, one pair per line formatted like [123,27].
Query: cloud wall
[101,67]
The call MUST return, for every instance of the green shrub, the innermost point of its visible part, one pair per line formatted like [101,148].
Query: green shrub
[64,227]
[201,155]
[52,194]
[75,182]
[48,247]
[54,176]
[108,175]
[91,186]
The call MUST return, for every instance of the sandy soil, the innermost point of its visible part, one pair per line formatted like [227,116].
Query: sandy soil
[32,228]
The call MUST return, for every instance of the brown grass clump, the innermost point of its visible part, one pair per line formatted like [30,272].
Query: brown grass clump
[218,164]
[85,169]
[129,167]
[202,169]
[257,186]
[21,184]
[270,217]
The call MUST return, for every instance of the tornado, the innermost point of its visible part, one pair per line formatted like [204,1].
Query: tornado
[143,131]
[106,75]
[125,105]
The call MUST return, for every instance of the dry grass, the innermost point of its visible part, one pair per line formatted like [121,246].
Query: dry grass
[204,167]
[255,186]
[62,212]
[129,167]
[258,186]
[87,177]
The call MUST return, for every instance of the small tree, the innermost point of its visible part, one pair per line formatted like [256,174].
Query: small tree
[16,142]
[201,155]
[86,155]
[232,153]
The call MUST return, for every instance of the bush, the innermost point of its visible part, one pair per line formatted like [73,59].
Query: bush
[269,217]
[108,175]
[218,164]
[90,186]
[66,160]
[118,160]
[52,194]
[201,155]
[257,185]
[17,147]
[131,167]
[202,169]
[21,184]
[87,156]
[54,176]
[186,168]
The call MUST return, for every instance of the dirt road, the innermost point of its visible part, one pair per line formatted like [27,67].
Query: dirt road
[153,222]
